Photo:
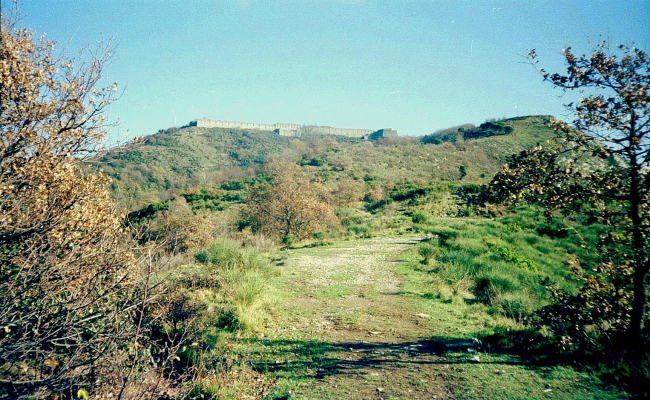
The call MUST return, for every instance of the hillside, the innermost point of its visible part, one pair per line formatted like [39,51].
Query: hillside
[171,161]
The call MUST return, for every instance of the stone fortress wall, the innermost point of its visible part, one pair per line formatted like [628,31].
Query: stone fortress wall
[295,130]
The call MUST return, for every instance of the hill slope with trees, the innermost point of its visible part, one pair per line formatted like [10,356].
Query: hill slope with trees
[163,165]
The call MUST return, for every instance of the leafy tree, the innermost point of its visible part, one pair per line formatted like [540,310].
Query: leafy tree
[289,204]
[68,291]
[599,166]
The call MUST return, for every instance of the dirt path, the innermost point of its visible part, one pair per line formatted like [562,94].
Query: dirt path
[347,324]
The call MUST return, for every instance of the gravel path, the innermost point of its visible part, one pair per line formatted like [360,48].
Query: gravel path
[371,344]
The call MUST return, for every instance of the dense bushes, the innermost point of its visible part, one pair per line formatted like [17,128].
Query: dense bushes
[487,129]
[467,132]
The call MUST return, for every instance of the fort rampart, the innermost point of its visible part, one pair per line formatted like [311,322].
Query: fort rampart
[285,129]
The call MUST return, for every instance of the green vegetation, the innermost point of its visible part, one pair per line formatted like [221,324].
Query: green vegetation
[177,161]
[249,265]
[231,281]
[480,271]
[469,132]
[499,263]
[339,330]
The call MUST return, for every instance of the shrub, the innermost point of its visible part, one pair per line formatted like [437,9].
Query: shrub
[289,240]
[179,228]
[517,306]
[419,218]
[289,205]
[408,192]
[70,290]
[365,231]
[259,243]
[444,234]
[347,191]
[201,257]
[462,171]
[488,287]
[553,229]
[596,315]
[511,256]
[373,207]
[147,212]
[428,251]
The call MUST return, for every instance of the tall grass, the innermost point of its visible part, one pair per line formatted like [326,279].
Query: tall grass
[224,291]
[502,263]
[233,281]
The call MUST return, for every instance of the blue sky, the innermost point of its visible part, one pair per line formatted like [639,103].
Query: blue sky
[416,66]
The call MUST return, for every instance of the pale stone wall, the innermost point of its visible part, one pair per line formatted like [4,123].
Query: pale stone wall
[296,130]
[328,130]
[288,132]
[210,123]
[383,133]
[287,126]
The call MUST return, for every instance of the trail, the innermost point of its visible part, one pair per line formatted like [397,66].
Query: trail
[349,326]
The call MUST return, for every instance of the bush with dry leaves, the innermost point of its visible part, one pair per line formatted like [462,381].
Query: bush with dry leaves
[72,294]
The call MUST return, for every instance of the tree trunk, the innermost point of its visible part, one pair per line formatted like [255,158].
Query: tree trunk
[638,307]
[641,265]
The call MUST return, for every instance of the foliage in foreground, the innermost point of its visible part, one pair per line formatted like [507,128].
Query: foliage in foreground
[600,168]
[67,282]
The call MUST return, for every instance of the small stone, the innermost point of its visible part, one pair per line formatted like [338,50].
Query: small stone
[422,315]
[475,359]
[380,390]
[548,390]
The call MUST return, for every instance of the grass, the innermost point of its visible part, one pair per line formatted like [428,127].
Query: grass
[364,306]
[224,294]
[498,380]
[502,263]
[319,341]
[500,374]
[375,309]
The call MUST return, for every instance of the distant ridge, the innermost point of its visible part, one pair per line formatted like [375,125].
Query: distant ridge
[174,160]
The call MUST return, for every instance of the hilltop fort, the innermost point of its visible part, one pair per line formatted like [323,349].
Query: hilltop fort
[296,130]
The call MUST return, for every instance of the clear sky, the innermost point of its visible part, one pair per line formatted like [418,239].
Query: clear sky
[416,66]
